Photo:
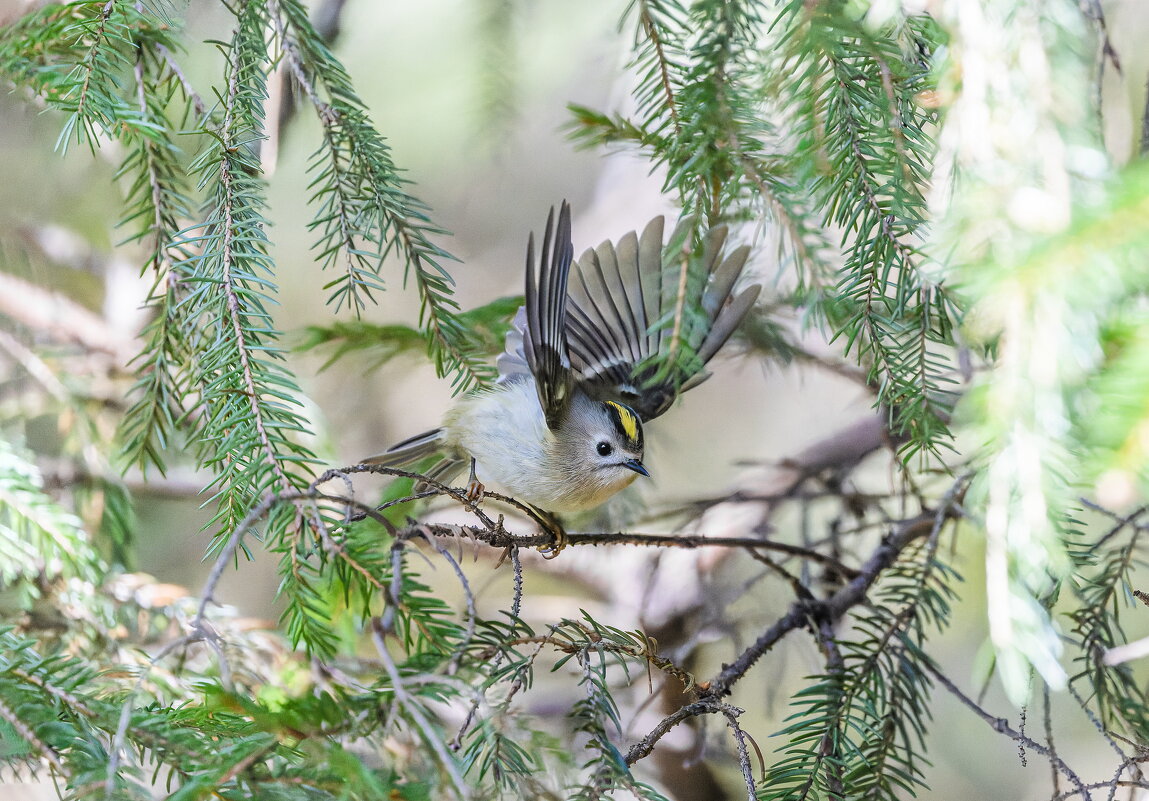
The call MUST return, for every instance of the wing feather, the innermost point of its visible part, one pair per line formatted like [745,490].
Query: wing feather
[545,341]
[617,271]
[591,298]
[608,326]
[599,358]
[603,290]
[649,267]
[619,321]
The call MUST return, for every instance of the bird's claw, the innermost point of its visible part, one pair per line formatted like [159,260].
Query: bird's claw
[475,491]
[559,538]
[475,488]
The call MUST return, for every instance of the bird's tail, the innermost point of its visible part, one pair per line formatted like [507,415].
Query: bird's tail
[421,447]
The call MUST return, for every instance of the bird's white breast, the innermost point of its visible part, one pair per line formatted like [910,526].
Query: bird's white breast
[505,431]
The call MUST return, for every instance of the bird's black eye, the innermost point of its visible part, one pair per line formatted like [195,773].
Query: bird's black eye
[604,449]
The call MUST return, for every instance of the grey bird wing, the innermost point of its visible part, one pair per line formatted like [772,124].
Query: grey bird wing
[410,452]
[642,323]
[512,362]
[545,337]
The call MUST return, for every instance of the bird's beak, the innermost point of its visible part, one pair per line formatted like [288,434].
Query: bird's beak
[636,466]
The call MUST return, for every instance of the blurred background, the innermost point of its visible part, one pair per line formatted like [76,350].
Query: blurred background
[472,97]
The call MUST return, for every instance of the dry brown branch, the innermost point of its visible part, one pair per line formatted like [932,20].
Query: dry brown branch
[805,612]
[645,746]
[60,318]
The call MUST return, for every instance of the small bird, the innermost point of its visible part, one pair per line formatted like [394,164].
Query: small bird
[593,355]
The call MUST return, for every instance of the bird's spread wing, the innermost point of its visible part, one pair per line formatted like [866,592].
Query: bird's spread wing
[545,337]
[642,323]
[633,322]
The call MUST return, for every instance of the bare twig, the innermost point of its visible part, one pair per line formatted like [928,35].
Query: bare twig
[695,541]
[494,534]
[1138,784]
[1145,122]
[469,599]
[1120,522]
[803,611]
[1097,724]
[496,660]
[185,85]
[645,746]
[121,735]
[731,714]
[1047,721]
[1001,726]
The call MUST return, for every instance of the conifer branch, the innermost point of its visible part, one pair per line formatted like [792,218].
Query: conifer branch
[160,199]
[230,284]
[94,66]
[365,210]
[650,29]
[45,751]
[249,400]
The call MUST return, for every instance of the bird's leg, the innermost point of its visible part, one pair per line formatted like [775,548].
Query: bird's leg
[475,488]
[553,526]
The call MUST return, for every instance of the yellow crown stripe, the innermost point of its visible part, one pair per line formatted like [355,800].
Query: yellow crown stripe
[627,418]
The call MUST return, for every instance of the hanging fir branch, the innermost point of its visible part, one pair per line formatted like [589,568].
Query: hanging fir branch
[247,417]
[863,143]
[159,203]
[364,209]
